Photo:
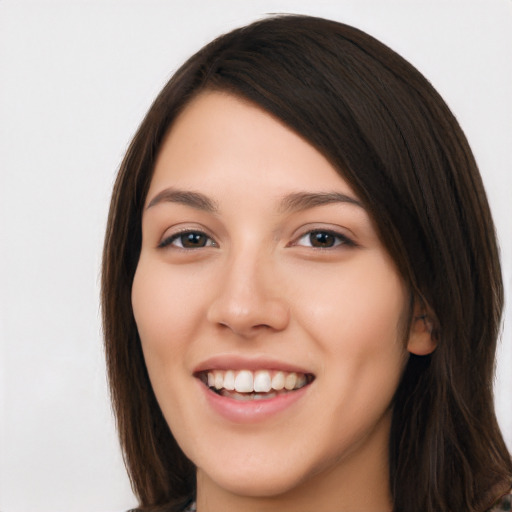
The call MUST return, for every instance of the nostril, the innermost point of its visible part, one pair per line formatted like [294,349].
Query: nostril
[250,316]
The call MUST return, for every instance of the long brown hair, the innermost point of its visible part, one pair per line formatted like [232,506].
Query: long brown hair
[390,135]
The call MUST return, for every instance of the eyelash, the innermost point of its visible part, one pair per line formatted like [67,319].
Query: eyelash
[337,240]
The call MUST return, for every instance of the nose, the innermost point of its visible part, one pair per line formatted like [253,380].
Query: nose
[248,298]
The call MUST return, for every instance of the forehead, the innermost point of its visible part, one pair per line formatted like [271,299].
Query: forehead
[220,138]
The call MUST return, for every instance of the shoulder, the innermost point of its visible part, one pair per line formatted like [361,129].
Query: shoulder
[504,504]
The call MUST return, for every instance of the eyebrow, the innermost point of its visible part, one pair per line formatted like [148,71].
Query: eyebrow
[294,202]
[193,199]
[305,200]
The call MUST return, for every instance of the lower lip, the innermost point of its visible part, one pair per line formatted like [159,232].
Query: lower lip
[251,411]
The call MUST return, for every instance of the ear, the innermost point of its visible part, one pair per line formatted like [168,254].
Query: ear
[421,340]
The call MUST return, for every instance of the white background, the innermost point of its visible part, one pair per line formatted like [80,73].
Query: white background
[75,81]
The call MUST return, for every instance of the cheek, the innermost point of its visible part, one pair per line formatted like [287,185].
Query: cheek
[162,307]
[357,315]
[356,322]
[165,306]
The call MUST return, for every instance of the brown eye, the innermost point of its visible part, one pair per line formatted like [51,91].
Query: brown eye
[193,240]
[320,239]
[188,240]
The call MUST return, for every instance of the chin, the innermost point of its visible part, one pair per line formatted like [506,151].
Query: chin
[265,483]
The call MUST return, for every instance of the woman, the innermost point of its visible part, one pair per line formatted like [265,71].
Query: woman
[301,286]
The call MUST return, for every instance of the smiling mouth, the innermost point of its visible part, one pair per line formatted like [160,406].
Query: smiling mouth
[247,385]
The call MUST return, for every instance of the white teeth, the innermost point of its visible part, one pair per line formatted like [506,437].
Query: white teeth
[262,381]
[218,380]
[290,381]
[229,380]
[244,382]
[278,381]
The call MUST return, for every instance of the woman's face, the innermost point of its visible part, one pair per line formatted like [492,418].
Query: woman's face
[259,269]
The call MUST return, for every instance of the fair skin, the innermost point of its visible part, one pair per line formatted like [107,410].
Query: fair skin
[259,263]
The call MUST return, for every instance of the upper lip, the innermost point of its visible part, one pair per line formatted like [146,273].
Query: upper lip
[237,362]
